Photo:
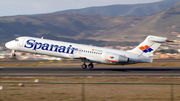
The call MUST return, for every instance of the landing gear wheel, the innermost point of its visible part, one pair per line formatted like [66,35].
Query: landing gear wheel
[90,66]
[84,66]
[13,54]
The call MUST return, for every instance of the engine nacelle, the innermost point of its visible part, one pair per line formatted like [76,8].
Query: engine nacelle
[111,57]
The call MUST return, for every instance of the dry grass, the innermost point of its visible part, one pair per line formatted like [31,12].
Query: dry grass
[93,92]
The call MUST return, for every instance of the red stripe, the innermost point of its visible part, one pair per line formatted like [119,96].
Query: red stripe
[110,60]
[83,57]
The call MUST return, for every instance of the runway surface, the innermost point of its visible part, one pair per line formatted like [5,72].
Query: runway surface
[79,61]
[97,71]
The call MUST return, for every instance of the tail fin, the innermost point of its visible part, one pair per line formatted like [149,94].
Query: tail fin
[149,45]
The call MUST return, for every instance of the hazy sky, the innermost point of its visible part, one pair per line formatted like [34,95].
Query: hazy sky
[23,7]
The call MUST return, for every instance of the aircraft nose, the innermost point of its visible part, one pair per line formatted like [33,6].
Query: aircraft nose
[10,45]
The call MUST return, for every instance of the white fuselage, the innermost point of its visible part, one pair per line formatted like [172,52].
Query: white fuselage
[72,50]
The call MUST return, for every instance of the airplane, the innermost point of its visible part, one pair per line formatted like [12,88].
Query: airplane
[91,54]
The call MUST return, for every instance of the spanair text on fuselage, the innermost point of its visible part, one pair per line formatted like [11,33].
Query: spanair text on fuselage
[54,48]
[40,47]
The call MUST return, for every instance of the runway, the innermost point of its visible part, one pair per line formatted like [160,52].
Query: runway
[79,61]
[97,71]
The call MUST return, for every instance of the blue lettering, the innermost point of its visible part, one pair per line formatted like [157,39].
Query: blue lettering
[62,49]
[56,48]
[73,49]
[45,46]
[69,48]
[51,47]
[37,45]
[29,43]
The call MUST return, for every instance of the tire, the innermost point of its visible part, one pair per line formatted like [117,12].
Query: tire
[14,54]
[84,66]
[90,66]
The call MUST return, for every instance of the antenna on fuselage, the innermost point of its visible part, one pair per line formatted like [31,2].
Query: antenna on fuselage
[42,37]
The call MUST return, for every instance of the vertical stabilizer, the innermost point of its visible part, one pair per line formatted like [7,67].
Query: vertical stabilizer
[149,45]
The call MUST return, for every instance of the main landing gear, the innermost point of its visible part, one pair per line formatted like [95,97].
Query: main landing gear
[84,66]
[90,66]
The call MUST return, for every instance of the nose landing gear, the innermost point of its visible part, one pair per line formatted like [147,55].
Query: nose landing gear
[13,53]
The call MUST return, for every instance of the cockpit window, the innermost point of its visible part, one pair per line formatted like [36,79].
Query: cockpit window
[16,39]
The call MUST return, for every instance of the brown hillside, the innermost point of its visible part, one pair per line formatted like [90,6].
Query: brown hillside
[77,26]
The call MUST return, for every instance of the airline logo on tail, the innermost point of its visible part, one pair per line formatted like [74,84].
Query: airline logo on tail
[146,49]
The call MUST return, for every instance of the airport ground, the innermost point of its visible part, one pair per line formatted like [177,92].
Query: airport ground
[159,81]
[67,62]
[92,92]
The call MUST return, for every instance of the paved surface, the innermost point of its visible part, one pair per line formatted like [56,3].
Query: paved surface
[166,60]
[97,71]
[78,61]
